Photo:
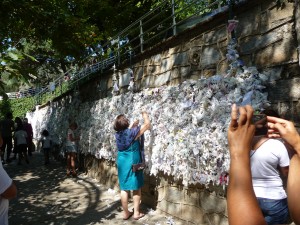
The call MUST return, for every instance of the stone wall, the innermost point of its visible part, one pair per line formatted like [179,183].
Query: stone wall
[268,38]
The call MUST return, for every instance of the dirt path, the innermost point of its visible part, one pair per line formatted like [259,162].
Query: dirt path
[47,196]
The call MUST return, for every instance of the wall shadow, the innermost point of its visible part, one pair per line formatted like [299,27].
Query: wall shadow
[47,196]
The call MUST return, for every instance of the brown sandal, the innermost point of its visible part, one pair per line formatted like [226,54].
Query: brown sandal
[139,217]
[128,217]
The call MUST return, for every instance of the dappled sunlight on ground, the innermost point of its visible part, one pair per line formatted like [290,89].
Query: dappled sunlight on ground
[47,196]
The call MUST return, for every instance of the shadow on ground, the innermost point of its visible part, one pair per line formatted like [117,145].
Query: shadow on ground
[47,196]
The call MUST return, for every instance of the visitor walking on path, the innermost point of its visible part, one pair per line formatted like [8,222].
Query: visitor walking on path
[28,129]
[46,145]
[7,127]
[71,149]
[20,141]
[129,149]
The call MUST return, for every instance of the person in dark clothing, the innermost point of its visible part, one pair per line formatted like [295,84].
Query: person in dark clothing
[7,127]
[28,128]
[20,137]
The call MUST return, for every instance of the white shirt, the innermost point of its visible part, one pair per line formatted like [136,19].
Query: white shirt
[21,136]
[265,176]
[69,142]
[5,182]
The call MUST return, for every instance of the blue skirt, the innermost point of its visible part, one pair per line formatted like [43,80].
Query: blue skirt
[128,179]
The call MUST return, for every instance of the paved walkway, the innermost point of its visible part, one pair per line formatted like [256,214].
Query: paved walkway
[47,196]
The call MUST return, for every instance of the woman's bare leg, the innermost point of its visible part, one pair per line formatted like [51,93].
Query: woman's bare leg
[68,163]
[124,202]
[73,156]
[136,203]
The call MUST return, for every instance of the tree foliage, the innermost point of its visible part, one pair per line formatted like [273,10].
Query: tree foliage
[38,35]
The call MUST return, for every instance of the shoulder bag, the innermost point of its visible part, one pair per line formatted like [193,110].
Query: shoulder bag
[139,166]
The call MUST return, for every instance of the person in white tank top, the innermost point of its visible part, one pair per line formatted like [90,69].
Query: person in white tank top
[269,161]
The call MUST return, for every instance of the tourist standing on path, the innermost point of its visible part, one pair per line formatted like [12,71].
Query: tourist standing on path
[71,149]
[8,191]
[129,153]
[269,158]
[20,141]
[46,145]
[7,127]
[28,129]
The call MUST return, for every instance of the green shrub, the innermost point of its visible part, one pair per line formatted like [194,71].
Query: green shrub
[18,106]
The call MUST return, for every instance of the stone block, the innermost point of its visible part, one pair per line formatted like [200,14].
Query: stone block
[275,16]
[195,55]
[147,62]
[291,71]
[173,194]
[145,83]
[161,193]
[223,44]
[124,79]
[179,59]
[164,55]
[156,59]
[192,214]
[273,72]
[170,207]
[186,46]
[215,35]
[185,71]
[277,54]
[197,41]
[285,90]
[175,50]
[195,75]
[162,79]
[247,59]
[191,197]
[175,82]
[175,73]
[222,67]
[102,85]
[152,69]
[211,203]
[217,219]
[109,83]
[210,55]
[257,42]
[139,72]
[249,23]
[165,65]
[208,72]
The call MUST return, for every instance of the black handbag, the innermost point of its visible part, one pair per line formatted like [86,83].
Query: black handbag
[139,166]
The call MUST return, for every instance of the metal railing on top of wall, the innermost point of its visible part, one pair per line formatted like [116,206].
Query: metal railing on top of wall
[162,22]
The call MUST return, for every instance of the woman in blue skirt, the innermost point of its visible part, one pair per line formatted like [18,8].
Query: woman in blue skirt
[129,153]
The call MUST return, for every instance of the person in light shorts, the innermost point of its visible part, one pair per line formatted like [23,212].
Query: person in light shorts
[71,149]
